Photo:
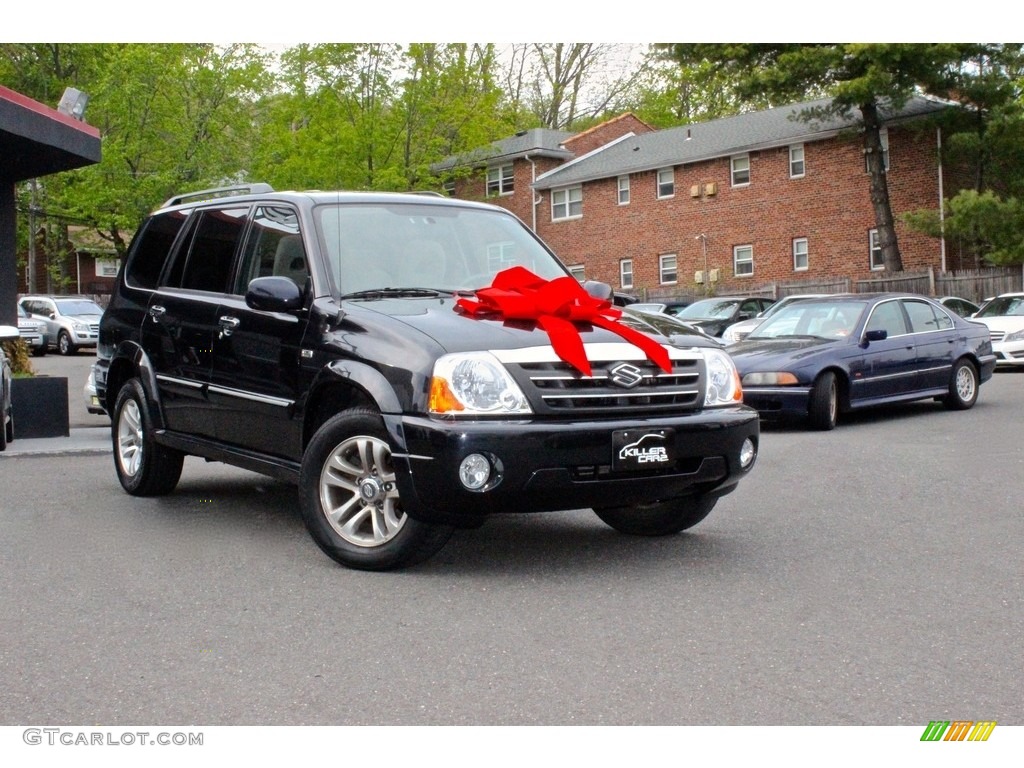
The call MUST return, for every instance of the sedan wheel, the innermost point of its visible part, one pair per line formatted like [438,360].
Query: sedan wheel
[350,500]
[823,409]
[963,386]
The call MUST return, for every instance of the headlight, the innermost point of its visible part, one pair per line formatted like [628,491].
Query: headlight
[770,379]
[472,384]
[723,381]
[79,327]
[1015,336]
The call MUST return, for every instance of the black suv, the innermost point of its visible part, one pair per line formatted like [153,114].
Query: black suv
[323,338]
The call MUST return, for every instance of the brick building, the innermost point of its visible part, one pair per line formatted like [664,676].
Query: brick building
[731,205]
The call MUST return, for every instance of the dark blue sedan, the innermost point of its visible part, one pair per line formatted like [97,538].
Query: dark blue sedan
[821,357]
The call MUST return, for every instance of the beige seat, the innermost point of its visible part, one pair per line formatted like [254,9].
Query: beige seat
[290,259]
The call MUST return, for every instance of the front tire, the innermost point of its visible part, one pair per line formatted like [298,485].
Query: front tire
[64,344]
[823,409]
[660,518]
[350,501]
[963,386]
[144,468]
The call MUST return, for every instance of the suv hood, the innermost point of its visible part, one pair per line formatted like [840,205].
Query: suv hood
[454,331]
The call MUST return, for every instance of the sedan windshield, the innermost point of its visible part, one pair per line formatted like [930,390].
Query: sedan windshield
[396,247]
[717,309]
[819,319]
[1003,306]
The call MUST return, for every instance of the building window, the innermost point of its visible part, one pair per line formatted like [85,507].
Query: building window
[566,203]
[796,161]
[875,257]
[500,180]
[740,170]
[883,136]
[743,260]
[107,267]
[626,273]
[623,190]
[666,182]
[800,260]
[501,256]
[578,272]
[667,268]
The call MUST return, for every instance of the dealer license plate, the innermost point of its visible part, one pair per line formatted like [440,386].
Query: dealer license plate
[643,449]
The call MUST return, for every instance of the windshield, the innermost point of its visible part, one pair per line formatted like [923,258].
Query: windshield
[77,307]
[401,246]
[821,319]
[718,309]
[1003,306]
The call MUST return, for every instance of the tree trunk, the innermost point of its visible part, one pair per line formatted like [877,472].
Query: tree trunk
[880,189]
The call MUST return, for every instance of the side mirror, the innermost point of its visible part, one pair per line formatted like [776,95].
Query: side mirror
[876,335]
[598,290]
[273,294]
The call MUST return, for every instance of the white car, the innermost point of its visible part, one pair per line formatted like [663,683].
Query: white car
[739,331]
[71,321]
[1004,316]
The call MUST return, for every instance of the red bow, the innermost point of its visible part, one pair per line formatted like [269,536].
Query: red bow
[556,306]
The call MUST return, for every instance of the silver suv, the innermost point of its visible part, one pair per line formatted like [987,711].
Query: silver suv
[71,321]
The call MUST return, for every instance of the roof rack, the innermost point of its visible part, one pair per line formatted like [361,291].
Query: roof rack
[216,192]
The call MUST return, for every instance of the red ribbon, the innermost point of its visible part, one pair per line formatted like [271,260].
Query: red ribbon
[557,306]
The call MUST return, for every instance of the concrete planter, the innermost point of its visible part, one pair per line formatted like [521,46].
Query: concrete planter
[40,406]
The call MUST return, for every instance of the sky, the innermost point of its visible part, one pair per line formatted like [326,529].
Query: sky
[473,20]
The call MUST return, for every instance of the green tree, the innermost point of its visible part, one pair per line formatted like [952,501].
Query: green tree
[861,77]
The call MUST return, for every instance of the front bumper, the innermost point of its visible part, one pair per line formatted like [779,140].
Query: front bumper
[773,403]
[1009,354]
[553,465]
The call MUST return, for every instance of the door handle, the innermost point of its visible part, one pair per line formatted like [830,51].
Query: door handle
[156,312]
[228,324]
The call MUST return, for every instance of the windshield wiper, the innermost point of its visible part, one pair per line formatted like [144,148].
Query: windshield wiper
[381,293]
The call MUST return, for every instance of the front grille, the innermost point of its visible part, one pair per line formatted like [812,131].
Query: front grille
[556,388]
[998,335]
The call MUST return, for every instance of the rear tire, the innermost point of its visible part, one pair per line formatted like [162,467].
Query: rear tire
[350,502]
[660,518]
[823,409]
[144,468]
[963,386]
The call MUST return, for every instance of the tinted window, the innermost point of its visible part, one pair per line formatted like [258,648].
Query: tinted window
[151,247]
[273,247]
[887,317]
[212,250]
[924,317]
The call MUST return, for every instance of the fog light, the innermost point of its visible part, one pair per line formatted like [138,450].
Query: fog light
[747,453]
[475,471]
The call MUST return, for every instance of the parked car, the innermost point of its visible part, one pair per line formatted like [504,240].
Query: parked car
[820,357]
[71,321]
[33,332]
[407,362]
[93,404]
[738,331]
[7,333]
[668,306]
[962,307]
[717,314]
[671,327]
[1003,315]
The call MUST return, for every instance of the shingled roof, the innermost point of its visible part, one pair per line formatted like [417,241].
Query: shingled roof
[720,138]
[537,142]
